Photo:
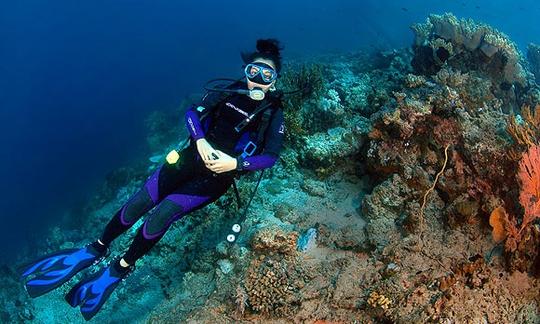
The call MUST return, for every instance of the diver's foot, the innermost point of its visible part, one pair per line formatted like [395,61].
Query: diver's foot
[91,293]
[55,269]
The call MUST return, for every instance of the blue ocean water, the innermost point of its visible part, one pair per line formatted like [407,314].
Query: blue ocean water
[78,78]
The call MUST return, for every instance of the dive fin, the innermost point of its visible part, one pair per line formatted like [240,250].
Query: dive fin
[55,269]
[91,293]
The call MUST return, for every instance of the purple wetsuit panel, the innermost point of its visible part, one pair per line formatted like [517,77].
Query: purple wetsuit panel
[123,212]
[193,124]
[257,162]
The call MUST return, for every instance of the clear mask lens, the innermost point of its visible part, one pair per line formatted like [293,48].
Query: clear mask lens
[253,70]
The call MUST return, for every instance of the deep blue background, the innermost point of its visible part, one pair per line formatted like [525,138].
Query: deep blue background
[77,78]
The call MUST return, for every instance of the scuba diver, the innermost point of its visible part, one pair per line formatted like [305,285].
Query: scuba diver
[233,130]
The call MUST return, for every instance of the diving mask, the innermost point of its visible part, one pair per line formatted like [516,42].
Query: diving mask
[260,73]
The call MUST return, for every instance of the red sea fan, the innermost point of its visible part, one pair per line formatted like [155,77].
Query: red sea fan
[529,176]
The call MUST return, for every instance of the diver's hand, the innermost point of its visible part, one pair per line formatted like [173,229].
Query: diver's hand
[205,150]
[223,163]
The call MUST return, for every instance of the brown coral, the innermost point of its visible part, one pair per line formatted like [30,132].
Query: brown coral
[272,286]
[274,240]
[275,276]
[472,272]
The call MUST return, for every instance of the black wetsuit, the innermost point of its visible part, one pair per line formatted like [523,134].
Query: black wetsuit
[177,189]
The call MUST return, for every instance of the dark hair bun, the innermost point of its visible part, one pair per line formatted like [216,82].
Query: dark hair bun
[267,49]
[269,46]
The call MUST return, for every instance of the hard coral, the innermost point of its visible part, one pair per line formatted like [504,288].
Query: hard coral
[240,299]
[325,150]
[326,112]
[461,38]
[382,208]
[272,240]
[275,275]
[414,81]
[378,300]
[273,286]
[472,272]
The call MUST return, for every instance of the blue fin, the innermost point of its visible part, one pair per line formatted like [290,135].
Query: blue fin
[92,292]
[55,269]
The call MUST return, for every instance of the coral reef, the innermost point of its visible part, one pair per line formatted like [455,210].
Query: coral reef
[396,166]
[445,41]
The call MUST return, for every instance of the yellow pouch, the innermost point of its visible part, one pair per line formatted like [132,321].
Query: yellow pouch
[172,157]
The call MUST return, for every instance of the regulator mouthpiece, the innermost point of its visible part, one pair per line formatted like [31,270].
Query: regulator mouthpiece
[256,94]
[172,157]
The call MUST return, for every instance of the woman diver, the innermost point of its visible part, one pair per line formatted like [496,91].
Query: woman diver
[235,130]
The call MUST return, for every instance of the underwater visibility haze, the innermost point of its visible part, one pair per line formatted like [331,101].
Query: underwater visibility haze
[399,142]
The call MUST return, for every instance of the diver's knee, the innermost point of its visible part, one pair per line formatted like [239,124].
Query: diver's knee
[161,218]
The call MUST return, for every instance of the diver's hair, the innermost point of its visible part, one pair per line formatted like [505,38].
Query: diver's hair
[268,49]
